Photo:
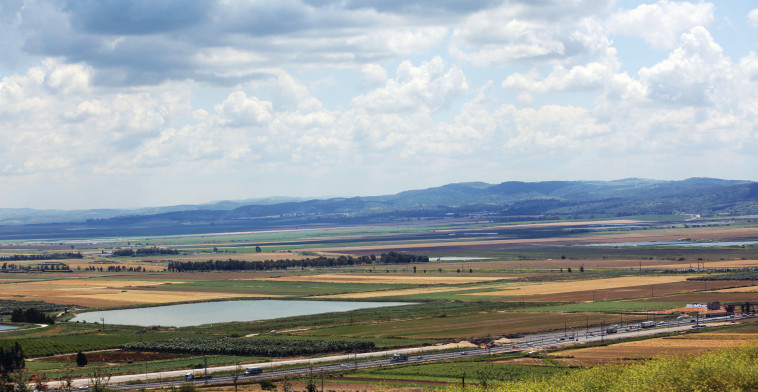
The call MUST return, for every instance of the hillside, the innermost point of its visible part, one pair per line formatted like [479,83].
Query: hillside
[507,200]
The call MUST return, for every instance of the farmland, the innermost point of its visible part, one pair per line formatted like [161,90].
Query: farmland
[521,279]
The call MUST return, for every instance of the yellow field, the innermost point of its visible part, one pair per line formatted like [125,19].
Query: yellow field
[713,264]
[387,279]
[89,292]
[583,285]
[393,293]
[555,224]
[692,344]
[746,289]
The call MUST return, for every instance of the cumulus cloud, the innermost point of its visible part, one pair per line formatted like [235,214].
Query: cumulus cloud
[579,77]
[753,17]
[530,32]
[690,73]
[661,24]
[143,42]
[416,92]
[373,75]
[426,87]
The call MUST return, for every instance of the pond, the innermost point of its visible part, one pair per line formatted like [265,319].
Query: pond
[7,327]
[187,315]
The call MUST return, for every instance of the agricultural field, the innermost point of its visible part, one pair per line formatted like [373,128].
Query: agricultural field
[520,279]
[641,350]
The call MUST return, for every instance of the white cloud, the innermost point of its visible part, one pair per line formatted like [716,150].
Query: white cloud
[238,111]
[753,17]
[426,87]
[690,73]
[661,24]
[326,97]
[373,75]
[579,77]
[526,32]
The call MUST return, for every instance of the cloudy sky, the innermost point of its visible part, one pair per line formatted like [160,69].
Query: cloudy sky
[129,103]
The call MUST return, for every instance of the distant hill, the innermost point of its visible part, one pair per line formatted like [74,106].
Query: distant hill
[627,197]
[15,216]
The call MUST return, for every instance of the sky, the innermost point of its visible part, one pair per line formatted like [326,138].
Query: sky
[133,103]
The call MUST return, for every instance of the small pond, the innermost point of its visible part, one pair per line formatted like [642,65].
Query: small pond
[7,327]
[187,315]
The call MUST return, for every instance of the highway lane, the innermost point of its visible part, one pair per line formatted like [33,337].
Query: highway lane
[337,363]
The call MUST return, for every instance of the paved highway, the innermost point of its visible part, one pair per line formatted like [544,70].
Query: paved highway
[338,363]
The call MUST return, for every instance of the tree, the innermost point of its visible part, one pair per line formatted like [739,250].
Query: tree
[236,376]
[311,385]
[20,381]
[99,379]
[81,359]
[257,249]
[66,378]
[267,385]
[40,382]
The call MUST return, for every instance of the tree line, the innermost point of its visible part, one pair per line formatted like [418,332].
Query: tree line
[248,347]
[48,266]
[268,265]
[43,256]
[150,251]
[31,315]
[116,268]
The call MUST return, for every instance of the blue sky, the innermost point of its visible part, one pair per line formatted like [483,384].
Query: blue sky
[129,103]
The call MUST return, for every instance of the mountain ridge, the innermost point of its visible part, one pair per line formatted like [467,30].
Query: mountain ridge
[625,197]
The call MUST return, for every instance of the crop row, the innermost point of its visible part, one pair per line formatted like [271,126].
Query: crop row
[248,347]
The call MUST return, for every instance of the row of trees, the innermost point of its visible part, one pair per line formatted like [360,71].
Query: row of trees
[31,315]
[43,256]
[49,266]
[402,258]
[150,251]
[268,265]
[248,347]
[115,268]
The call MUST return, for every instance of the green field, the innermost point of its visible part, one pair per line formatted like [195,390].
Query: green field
[525,255]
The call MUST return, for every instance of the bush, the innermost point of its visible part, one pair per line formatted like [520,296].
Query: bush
[267,385]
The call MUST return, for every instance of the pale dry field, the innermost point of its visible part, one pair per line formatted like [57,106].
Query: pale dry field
[387,279]
[746,289]
[582,285]
[554,224]
[394,293]
[712,264]
[643,349]
[90,292]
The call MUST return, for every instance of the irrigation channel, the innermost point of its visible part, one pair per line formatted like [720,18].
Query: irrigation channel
[379,359]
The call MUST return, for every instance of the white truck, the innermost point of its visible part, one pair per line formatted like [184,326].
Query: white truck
[647,324]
